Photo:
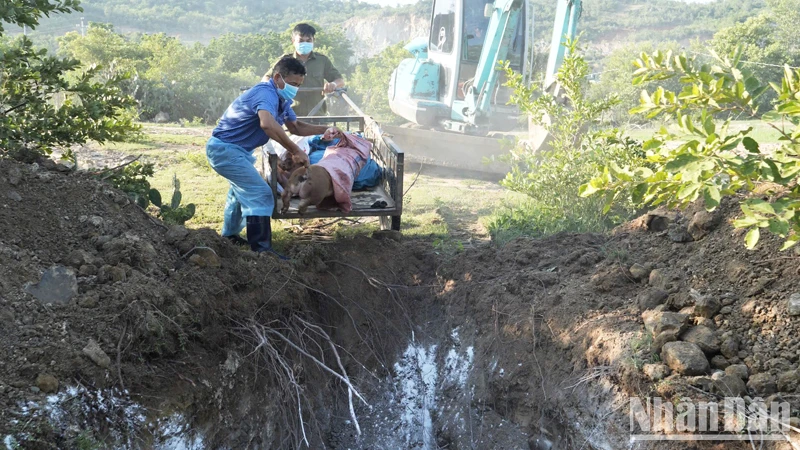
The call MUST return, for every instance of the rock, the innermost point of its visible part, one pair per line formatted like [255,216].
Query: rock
[64,166]
[87,270]
[739,370]
[111,274]
[197,260]
[383,235]
[684,358]
[651,298]
[729,386]
[639,272]
[96,354]
[726,310]
[657,279]
[47,383]
[794,304]
[719,362]
[702,222]
[6,314]
[97,221]
[704,305]
[779,364]
[58,285]
[14,195]
[176,234]
[677,233]
[657,322]
[655,372]
[730,348]
[705,338]
[717,375]
[706,322]
[762,384]
[161,117]
[663,338]
[79,258]
[789,381]
[14,176]
[90,300]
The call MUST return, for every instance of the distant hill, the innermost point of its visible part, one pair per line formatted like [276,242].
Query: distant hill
[606,24]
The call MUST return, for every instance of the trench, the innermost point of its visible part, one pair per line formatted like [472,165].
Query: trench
[435,386]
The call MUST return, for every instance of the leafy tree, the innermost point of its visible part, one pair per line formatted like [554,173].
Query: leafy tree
[786,14]
[47,101]
[706,159]
[616,76]
[757,39]
[370,82]
[552,174]
[253,52]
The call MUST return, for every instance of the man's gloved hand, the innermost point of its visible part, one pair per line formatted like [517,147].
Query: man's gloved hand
[329,87]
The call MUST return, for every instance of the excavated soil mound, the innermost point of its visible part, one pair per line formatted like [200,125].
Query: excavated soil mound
[119,330]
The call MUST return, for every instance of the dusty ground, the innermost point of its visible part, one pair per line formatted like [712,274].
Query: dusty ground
[163,334]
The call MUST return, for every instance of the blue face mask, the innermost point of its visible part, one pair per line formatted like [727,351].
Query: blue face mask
[288,92]
[304,48]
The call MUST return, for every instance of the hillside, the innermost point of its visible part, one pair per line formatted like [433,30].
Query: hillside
[604,22]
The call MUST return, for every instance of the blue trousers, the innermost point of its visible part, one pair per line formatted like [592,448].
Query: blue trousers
[249,194]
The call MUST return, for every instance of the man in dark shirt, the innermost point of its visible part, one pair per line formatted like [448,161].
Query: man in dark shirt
[320,72]
[254,118]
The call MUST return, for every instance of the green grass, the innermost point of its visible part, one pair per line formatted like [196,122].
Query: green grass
[448,211]
[762,132]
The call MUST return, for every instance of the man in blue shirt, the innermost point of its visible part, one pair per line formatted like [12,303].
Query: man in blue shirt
[254,118]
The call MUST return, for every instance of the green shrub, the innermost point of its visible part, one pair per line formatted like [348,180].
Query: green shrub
[705,158]
[551,176]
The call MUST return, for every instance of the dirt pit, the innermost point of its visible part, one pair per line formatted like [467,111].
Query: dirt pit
[120,332]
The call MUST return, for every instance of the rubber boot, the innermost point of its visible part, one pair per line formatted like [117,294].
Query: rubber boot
[259,235]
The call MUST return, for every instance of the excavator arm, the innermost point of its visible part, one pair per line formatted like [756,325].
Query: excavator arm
[501,31]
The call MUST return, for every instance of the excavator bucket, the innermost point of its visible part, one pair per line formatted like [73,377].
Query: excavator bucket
[451,150]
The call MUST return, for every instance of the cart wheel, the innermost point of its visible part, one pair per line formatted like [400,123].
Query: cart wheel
[390,223]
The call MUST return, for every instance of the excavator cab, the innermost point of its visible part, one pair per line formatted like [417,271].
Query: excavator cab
[452,83]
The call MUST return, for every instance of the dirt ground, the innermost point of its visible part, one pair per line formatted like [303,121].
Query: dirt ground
[120,332]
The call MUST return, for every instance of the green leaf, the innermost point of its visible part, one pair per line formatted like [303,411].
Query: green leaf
[779,227]
[712,197]
[586,190]
[760,206]
[750,144]
[638,193]
[176,199]
[791,241]
[688,191]
[155,197]
[751,239]
[745,222]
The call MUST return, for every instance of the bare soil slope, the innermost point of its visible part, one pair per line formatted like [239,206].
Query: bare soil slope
[116,328]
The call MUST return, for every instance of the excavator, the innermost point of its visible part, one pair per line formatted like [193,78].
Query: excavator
[450,90]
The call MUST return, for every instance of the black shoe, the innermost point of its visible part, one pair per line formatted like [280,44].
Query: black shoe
[237,240]
[259,235]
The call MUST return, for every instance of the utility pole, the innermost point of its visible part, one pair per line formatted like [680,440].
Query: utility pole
[83,28]
[24,30]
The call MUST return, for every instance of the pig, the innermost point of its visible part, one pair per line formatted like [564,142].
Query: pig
[313,184]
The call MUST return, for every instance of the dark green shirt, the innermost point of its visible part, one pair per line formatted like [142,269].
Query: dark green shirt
[319,69]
